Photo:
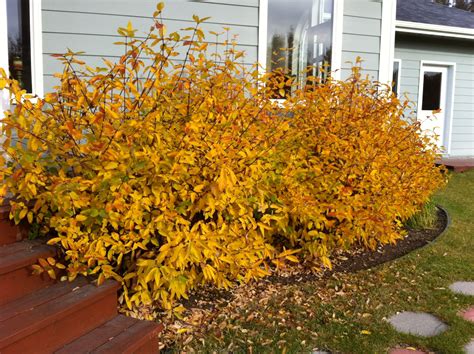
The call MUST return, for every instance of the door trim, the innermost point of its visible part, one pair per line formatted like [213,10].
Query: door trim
[450,87]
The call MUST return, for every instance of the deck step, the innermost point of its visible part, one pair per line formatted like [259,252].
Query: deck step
[37,298]
[9,232]
[457,164]
[120,335]
[16,278]
[55,316]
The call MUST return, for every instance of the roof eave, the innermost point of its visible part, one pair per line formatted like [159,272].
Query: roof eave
[434,30]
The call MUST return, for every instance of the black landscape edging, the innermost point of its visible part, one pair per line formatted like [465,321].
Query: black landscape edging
[350,265]
[440,231]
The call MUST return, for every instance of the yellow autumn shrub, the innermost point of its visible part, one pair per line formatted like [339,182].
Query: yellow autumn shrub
[173,167]
[360,166]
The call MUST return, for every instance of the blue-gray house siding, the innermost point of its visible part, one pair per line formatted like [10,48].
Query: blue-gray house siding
[412,49]
[91,25]
[361,36]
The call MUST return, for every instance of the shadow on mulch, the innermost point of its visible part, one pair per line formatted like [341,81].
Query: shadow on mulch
[349,262]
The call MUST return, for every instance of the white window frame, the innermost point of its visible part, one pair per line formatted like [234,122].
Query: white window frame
[337,28]
[451,84]
[387,40]
[36,42]
[399,76]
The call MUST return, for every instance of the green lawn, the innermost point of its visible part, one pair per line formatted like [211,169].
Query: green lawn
[346,313]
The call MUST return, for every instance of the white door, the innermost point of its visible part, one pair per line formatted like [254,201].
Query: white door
[432,102]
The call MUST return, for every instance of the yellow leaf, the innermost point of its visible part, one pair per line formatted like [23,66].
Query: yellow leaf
[23,213]
[81,217]
[54,240]
[52,273]
[292,259]
[199,188]
[60,266]
[111,165]
[100,279]
[29,216]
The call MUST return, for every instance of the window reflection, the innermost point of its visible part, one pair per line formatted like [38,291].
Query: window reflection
[431,91]
[396,73]
[300,37]
[19,49]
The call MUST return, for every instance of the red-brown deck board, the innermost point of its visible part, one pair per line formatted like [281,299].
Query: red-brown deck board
[458,164]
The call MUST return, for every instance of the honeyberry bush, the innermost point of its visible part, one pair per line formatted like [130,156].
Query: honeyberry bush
[173,167]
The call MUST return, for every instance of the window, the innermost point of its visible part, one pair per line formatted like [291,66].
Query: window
[431,90]
[21,45]
[397,66]
[299,37]
[19,42]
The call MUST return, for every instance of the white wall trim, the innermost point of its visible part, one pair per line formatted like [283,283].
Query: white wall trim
[449,98]
[387,40]
[36,37]
[262,35]
[337,30]
[434,30]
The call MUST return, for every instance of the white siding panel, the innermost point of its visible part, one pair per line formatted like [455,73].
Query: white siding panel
[370,74]
[464,98]
[361,43]
[91,26]
[363,8]
[224,13]
[106,25]
[103,46]
[410,73]
[361,25]
[361,35]
[370,61]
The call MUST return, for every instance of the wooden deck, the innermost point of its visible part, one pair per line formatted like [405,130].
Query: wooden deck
[458,164]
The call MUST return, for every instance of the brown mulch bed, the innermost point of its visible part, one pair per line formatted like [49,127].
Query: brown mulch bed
[347,262]
[205,305]
[415,239]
